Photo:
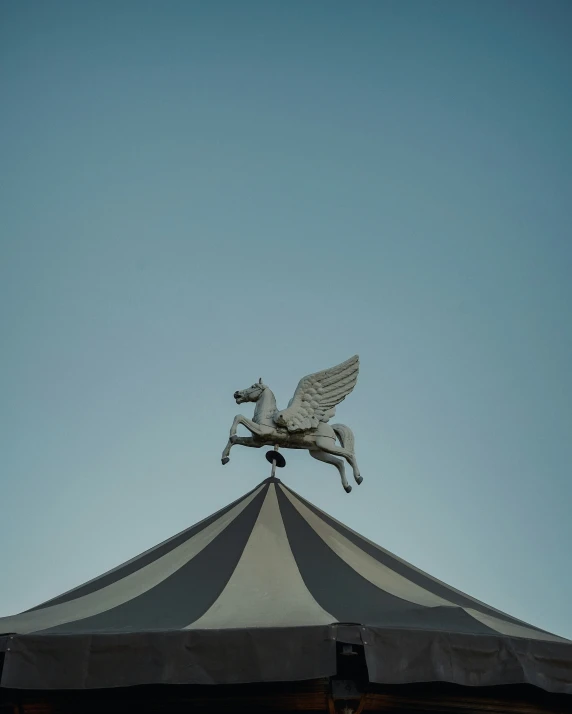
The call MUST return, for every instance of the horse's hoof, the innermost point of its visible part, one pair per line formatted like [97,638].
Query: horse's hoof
[359,479]
[225,460]
[348,489]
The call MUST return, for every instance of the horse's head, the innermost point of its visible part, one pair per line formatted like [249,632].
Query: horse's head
[252,394]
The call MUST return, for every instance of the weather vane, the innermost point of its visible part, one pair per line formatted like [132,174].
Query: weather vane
[304,424]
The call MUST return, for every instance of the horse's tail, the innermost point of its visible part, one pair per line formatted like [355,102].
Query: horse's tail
[346,436]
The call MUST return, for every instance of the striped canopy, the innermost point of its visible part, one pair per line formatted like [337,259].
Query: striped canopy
[271,565]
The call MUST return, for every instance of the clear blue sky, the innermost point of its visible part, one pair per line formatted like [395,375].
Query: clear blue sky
[197,194]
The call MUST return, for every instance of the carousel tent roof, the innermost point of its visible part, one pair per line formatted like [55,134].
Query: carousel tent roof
[262,591]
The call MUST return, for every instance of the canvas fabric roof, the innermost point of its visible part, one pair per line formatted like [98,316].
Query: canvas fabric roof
[262,591]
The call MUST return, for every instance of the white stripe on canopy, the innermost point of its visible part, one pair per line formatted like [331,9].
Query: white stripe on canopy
[372,570]
[128,587]
[266,588]
[510,628]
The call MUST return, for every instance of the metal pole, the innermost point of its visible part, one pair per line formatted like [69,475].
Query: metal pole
[273,473]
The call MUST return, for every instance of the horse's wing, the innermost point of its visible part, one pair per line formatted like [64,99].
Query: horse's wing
[317,396]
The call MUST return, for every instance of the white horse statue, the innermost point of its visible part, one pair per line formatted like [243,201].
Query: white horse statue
[304,424]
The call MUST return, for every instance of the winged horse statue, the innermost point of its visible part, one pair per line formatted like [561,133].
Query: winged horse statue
[304,424]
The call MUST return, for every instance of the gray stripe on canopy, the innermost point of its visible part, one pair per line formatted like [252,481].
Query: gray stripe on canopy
[266,589]
[392,582]
[186,594]
[369,568]
[409,571]
[141,560]
[129,587]
[339,589]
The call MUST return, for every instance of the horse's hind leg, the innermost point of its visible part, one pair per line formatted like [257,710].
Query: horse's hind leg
[353,463]
[329,446]
[338,463]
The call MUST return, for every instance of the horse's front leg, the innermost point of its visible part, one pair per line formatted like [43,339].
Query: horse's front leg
[241,441]
[244,441]
[252,426]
